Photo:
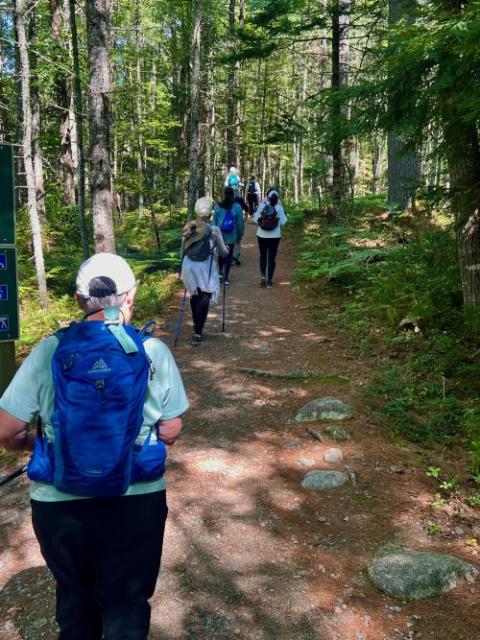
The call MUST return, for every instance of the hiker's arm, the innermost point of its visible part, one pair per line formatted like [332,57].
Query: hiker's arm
[14,435]
[282,216]
[240,225]
[182,249]
[169,430]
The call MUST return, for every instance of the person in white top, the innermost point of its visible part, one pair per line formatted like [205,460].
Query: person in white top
[253,194]
[199,266]
[270,217]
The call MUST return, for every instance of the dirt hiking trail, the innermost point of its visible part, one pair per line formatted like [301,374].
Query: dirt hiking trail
[248,552]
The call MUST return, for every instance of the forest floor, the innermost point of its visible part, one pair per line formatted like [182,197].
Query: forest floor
[248,552]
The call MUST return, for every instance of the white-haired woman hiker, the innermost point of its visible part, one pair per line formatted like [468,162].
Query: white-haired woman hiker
[270,217]
[199,268]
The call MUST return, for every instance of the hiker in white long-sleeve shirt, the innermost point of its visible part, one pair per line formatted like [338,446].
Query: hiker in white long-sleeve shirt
[270,217]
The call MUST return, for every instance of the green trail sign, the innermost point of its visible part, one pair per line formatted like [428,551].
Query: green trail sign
[9,325]
[7,197]
[9,321]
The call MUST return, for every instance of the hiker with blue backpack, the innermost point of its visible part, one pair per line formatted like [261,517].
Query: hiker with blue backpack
[107,400]
[201,241]
[234,181]
[270,217]
[228,217]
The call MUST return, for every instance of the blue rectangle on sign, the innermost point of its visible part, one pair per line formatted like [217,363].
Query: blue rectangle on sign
[3,260]
[3,292]
[4,323]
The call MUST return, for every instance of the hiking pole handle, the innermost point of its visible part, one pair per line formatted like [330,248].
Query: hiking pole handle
[13,475]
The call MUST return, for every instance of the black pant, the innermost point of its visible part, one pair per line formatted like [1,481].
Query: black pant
[199,304]
[252,202]
[105,556]
[225,263]
[268,252]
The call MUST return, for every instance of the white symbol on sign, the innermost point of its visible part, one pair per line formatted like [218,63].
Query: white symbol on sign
[3,260]
[3,292]
[4,323]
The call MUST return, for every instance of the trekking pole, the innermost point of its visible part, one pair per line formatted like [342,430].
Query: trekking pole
[223,301]
[180,317]
[13,475]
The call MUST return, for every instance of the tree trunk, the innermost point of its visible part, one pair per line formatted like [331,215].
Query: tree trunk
[195,108]
[138,104]
[98,15]
[403,168]
[336,114]
[377,162]
[78,102]
[27,152]
[35,100]
[463,155]
[230,152]
[63,91]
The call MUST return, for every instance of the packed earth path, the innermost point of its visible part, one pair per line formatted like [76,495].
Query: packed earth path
[249,553]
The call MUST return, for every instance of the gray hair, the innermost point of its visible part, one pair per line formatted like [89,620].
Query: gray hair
[91,304]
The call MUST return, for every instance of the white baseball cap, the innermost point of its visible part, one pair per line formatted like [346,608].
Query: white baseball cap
[104,274]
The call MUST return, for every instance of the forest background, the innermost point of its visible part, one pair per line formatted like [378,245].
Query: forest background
[363,114]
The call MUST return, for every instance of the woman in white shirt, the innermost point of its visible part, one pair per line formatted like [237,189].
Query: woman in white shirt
[270,217]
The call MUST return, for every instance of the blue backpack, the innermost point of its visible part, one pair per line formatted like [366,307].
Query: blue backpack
[233,180]
[228,222]
[100,375]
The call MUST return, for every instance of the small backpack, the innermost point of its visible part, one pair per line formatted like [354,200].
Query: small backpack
[251,187]
[100,375]
[228,222]
[233,180]
[202,249]
[268,220]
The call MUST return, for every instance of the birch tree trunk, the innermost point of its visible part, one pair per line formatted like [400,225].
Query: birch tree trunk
[27,151]
[195,108]
[78,102]
[35,108]
[98,15]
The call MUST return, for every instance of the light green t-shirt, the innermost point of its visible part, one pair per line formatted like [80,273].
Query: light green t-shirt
[31,394]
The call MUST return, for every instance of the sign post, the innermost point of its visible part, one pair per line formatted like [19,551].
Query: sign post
[9,317]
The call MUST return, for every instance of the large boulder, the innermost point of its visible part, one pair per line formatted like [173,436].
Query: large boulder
[413,575]
[324,409]
[320,480]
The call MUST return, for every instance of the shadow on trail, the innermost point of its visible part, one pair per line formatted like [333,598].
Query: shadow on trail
[28,598]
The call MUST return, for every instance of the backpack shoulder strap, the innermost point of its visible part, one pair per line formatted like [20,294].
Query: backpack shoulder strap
[148,330]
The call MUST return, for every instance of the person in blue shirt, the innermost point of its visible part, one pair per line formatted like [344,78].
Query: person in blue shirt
[228,217]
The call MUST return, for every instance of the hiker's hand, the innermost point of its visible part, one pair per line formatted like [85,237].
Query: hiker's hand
[14,434]
[169,430]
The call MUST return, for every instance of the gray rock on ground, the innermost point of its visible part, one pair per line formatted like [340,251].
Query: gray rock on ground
[319,480]
[333,455]
[413,575]
[327,408]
